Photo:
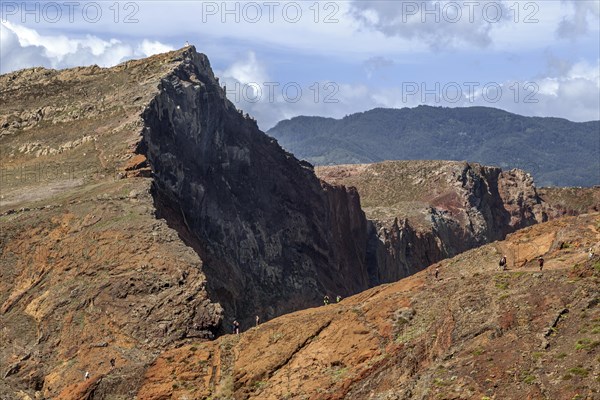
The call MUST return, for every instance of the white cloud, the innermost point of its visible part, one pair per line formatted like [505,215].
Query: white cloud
[13,56]
[24,47]
[584,14]
[248,70]
[345,30]
[440,24]
[148,47]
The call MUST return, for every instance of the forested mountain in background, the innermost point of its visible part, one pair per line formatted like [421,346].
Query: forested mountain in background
[556,151]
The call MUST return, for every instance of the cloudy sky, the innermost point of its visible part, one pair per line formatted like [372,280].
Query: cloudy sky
[286,58]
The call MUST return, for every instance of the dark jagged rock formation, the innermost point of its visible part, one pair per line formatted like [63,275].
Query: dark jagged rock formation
[271,237]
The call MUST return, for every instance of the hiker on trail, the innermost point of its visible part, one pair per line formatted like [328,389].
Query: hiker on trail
[236,327]
[437,272]
[541,262]
[87,375]
[338,298]
[257,320]
[326,299]
[502,263]
[591,254]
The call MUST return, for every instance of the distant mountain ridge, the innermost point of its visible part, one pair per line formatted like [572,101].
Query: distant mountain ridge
[556,151]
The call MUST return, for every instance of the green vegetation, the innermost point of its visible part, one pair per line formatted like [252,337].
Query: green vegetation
[339,373]
[440,382]
[537,355]
[543,146]
[579,371]
[478,351]
[502,282]
[528,379]
[259,385]
[586,344]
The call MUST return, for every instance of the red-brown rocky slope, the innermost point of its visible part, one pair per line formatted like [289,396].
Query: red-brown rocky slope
[474,333]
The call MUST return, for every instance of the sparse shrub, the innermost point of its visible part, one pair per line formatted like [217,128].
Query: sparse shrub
[440,382]
[339,373]
[259,384]
[501,281]
[579,371]
[586,344]
[528,379]
[274,338]
[478,352]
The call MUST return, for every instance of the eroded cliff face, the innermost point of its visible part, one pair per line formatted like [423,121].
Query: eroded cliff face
[455,207]
[272,238]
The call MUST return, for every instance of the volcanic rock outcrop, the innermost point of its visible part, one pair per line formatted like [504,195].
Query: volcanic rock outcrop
[272,237]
